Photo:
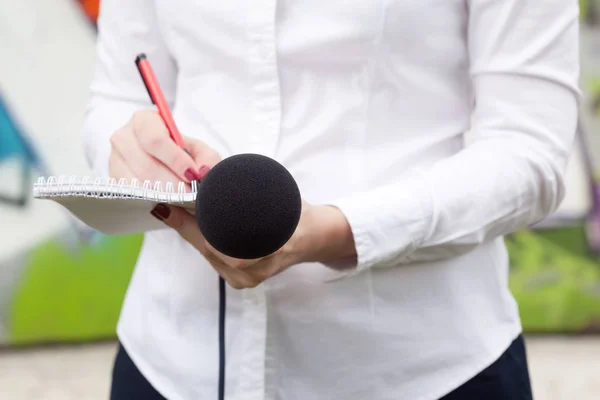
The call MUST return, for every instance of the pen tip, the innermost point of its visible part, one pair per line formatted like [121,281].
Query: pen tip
[140,57]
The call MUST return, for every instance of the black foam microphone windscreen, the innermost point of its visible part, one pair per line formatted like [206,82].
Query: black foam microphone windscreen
[248,206]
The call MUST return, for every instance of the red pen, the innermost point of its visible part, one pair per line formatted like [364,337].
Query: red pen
[158,98]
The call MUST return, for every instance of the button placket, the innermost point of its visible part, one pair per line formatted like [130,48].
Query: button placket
[265,90]
[262,138]
[252,365]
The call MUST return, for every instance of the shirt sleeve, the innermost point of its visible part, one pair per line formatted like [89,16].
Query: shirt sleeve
[125,29]
[524,67]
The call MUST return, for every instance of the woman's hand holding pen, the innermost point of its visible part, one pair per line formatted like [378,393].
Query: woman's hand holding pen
[143,149]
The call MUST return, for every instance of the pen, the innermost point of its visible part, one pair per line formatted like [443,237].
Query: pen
[158,98]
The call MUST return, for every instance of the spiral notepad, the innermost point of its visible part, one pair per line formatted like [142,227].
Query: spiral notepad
[115,207]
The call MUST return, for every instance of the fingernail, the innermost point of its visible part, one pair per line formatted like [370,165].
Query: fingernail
[203,171]
[190,175]
[161,212]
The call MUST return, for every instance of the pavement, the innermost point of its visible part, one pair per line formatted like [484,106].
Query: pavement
[562,368]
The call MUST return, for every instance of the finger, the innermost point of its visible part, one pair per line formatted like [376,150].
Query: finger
[202,154]
[237,279]
[217,264]
[264,270]
[117,167]
[234,263]
[141,164]
[183,223]
[153,137]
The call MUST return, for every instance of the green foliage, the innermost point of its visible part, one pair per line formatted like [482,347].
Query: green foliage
[555,280]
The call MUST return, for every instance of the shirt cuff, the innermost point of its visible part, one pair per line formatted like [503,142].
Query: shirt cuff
[388,223]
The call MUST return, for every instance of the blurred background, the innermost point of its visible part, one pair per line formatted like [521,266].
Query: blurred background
[61,284]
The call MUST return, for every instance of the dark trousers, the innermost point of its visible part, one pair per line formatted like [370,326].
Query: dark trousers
[506,379]
[128,383]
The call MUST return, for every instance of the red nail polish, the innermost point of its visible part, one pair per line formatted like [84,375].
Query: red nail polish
[161,212]
[191,175]
[203,171]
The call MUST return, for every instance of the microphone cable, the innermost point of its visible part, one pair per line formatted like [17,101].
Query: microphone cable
[222,304]
[245,217]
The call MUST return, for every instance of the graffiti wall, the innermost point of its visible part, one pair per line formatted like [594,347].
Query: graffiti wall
[61,281]
[58,279]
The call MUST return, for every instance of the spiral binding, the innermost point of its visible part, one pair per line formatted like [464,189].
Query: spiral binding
[110,188]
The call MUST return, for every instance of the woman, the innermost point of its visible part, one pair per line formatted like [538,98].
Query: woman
[394,285]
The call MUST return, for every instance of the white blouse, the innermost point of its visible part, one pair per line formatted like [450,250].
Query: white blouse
[366,103]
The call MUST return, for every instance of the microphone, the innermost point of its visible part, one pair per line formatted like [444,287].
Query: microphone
[248,206]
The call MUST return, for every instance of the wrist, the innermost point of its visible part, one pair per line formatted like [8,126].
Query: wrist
[328,235]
